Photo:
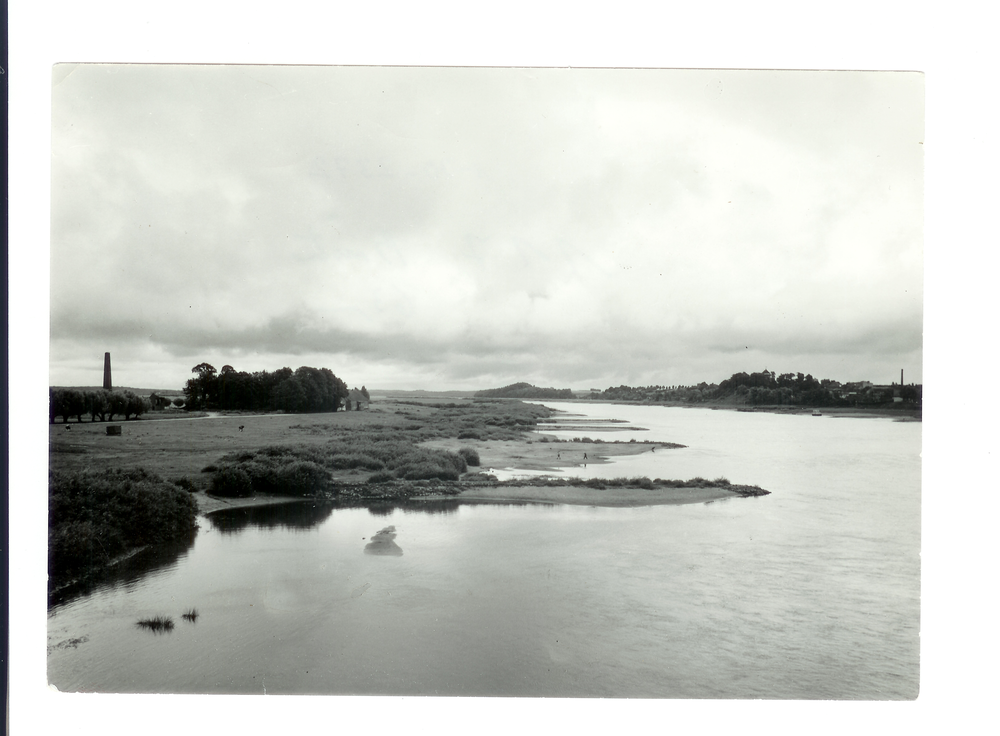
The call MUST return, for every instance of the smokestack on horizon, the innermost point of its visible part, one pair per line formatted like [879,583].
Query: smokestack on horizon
[107,371]
[900,376]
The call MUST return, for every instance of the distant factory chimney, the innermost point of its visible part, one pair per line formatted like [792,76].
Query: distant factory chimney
[107,371]
[900,376]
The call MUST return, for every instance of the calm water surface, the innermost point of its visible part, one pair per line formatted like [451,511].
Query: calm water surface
[811,592]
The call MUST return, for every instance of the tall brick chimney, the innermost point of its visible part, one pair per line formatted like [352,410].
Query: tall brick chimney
[107,371]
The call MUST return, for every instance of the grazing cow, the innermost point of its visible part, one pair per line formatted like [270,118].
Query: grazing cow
[241,427]
[69,426]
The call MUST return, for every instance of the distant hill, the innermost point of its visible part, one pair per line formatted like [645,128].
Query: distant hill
[524,391]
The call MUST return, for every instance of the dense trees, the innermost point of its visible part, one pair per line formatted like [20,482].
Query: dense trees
[101,405]
[303,390]
[764,388]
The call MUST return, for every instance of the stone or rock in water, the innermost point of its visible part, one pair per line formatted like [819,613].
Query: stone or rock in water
[383,543]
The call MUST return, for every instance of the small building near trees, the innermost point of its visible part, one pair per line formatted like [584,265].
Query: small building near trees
[356,401]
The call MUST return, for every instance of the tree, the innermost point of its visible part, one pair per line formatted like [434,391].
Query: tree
[75,403]
[134,405]
[200,389]
[98,404]
[55,404]
[117,404]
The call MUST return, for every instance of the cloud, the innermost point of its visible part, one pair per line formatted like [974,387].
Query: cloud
[482,223]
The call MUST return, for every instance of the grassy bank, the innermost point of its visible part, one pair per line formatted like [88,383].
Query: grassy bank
[396,450]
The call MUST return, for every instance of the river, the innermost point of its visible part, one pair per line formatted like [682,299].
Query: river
[812,592]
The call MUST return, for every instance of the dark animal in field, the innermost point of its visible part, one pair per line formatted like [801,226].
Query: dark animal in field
[69,426]
[241,427]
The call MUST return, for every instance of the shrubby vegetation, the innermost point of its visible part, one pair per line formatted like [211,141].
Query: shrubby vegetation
[303,390]
[524,391]
[306,471]
[471,456]
[101,405]
[648,484]
[97,515]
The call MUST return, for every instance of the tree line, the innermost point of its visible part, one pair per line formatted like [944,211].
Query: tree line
[101,405]
[764,388]
[305,389]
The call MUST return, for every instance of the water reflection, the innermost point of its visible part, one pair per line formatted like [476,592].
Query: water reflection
[128,573]
[409,506]
[307,515]
[384,543]
[296,516]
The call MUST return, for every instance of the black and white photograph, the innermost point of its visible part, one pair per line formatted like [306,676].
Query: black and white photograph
[485,381]
[467,382]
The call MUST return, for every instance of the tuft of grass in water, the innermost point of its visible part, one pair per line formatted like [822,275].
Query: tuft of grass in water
[156,624]
[190,615]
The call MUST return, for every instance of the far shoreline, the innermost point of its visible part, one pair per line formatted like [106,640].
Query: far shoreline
[908,414]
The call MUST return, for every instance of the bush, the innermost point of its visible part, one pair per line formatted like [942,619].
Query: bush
[468,434]
[95,516]
[302,478]
[429,471]
[186,484]
[381,476]
[470,455]
[457,462]
[232,482]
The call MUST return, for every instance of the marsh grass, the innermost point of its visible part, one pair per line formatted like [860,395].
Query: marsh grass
[308,470]
[190,615]
[156,624]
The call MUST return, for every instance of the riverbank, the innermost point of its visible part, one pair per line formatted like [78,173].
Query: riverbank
[188,452]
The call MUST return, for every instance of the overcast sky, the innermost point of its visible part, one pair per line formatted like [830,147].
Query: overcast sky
[468,228]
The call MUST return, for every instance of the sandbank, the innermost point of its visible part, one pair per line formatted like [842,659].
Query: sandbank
[532,453]
[584,496]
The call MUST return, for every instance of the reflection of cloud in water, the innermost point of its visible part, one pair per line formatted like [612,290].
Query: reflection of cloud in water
[383,543]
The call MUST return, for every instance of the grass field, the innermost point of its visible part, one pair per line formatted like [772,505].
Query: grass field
[177,448]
